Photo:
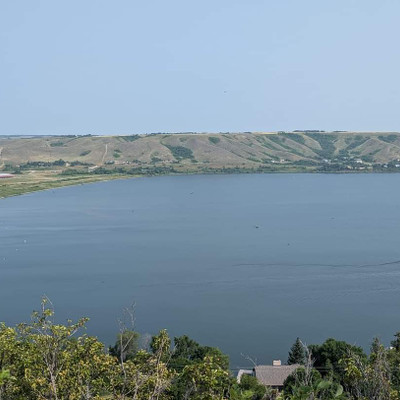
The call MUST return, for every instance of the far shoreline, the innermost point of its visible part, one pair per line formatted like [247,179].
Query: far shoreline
[111,177]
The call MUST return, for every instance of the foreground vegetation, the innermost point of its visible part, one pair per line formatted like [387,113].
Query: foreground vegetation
[52,161]
[45,360]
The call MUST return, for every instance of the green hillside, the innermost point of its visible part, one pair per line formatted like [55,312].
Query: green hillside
[87,158]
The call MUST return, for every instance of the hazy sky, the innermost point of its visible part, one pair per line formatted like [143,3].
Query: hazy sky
[129,66]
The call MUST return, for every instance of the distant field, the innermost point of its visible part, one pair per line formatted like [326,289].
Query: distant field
[53,161]
[43,180]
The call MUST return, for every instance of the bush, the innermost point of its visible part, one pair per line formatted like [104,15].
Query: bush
[248,382]
[56,144]
[214,139]
[180,152]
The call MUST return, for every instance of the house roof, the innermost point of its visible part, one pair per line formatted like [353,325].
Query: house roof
[274,375]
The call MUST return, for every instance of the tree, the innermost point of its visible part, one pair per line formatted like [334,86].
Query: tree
[48,361]
[43,360]
[303,386]
[394,362]
[11,366]
[126,346]
[306,383]
[206,380]
[327,357]
[369,379]
[188,352]
[250,384]
[396,342]
[146,375]
[296,353]
[50,346]
[185,347]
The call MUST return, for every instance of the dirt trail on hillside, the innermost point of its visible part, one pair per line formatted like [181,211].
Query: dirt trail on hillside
[105,154]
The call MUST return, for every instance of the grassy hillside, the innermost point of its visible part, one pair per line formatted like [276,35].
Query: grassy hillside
[214,150]
[61,158]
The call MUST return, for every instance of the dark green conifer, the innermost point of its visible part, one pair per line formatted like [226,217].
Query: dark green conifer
[297,354]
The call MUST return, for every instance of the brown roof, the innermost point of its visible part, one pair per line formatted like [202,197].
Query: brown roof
[274,375]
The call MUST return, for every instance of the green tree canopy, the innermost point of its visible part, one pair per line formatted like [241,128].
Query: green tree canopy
[327,357]
[126,345]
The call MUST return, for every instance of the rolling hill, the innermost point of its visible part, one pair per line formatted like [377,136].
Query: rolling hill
[60,160]
[212,150]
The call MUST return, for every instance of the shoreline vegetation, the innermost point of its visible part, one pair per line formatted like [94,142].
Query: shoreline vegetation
[38,182]
[47,360]
[47,162]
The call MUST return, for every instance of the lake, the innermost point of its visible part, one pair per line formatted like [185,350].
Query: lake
[243,262]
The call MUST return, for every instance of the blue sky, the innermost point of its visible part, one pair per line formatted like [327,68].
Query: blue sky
[127,66]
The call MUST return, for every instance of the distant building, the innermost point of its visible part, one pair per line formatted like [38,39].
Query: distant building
[272,376]
[6,175]
[243,372]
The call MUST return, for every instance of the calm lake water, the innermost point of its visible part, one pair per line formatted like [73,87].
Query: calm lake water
[243,262]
